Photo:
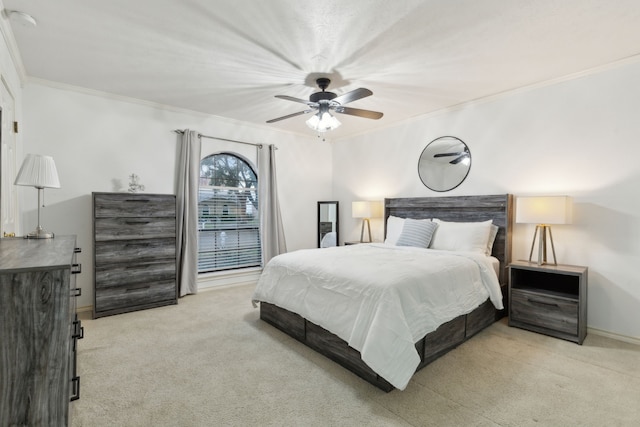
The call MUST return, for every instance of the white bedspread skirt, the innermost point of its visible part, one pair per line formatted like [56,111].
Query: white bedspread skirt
[380,299]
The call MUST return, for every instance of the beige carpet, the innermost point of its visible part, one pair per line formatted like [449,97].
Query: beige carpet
[210,361]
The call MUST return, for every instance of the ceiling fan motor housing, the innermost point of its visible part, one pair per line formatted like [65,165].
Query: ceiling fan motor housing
[322,83]
[322,96]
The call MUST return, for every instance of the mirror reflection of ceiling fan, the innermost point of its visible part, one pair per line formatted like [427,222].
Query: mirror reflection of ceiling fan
[324,102]
[461,155]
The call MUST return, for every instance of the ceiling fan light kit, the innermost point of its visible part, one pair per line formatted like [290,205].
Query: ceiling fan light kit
[323,123]
[325,102]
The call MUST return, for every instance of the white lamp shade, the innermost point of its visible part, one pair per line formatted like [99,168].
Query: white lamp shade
[366,209]
[38,171]
[544,210]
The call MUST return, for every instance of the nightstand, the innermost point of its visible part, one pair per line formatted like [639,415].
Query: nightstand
[549,299]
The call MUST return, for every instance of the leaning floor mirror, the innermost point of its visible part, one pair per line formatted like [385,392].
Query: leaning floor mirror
[328,224]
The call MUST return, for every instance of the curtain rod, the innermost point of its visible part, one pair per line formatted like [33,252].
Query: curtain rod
[224,139]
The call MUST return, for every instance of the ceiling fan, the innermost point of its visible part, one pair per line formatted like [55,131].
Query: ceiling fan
[462,155]
[323,102]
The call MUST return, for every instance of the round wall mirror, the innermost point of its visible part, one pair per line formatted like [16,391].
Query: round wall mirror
[444,163]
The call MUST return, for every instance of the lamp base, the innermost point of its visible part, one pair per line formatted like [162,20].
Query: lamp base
[39,233]
[542,245]
[365,221]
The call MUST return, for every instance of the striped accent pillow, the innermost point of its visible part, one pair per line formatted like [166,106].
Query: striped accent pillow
[416,233]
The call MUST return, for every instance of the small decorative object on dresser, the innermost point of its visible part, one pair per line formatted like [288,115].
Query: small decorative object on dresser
[134,184]
[551,300]
[134,252]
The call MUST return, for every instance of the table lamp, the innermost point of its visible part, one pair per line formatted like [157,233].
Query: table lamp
[40,172]
[366,210]
[543,211]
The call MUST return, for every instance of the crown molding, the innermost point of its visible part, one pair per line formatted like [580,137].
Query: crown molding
[155,105]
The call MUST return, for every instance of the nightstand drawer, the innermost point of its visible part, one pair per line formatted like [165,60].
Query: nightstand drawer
[546,311]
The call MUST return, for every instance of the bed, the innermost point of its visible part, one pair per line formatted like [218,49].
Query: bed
[359,344]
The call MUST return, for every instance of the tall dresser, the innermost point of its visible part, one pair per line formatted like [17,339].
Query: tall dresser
[39,330]
[134,252]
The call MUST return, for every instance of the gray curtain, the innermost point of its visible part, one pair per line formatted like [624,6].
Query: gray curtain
[271,231]
[187,205]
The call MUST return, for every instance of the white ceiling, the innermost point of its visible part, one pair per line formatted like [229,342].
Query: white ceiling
[230,57]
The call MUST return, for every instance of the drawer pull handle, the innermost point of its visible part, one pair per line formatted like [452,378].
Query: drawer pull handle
[76,292]
[138,200]
[137,267]
[75,387]
[77,250]
[78,332]
[128,245]
[76,268]
[137,288]
[131,221]
[550,304]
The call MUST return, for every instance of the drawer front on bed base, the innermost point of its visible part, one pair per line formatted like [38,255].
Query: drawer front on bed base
[480,318]
[288,322]
[321,341]
[339,351]
[447,337]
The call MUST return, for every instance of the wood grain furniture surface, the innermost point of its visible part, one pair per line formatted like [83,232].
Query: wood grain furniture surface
[39,330]
[134,252]
[549,299]
[498,208]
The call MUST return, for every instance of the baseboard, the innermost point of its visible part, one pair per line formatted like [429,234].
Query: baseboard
[229,278]
[619,337]
[85,309]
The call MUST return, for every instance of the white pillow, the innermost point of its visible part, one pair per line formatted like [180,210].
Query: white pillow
[492,238]
[461,236]
[416,233]
[394,228]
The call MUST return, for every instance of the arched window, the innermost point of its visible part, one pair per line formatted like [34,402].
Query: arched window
[228,228]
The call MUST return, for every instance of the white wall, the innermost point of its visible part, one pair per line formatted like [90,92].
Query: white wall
[97,141]
[579,137]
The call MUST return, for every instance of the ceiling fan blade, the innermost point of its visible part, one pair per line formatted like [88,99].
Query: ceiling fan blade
[299,113]
[458,160]
[446,154]
[302,101]
[367,114]
[354,95]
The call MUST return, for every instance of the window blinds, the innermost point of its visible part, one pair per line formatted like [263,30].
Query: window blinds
[228,228]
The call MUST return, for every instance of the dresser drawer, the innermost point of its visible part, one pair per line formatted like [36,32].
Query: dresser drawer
[546,311]
[136,294]
[143,250]
[133,205]
[127,228]
[119,274]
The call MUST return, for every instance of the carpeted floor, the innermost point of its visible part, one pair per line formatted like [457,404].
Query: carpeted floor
[210,361]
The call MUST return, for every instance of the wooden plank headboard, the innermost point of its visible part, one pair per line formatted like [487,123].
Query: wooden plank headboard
[498,208]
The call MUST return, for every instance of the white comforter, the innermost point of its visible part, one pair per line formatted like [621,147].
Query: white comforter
[380,299]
